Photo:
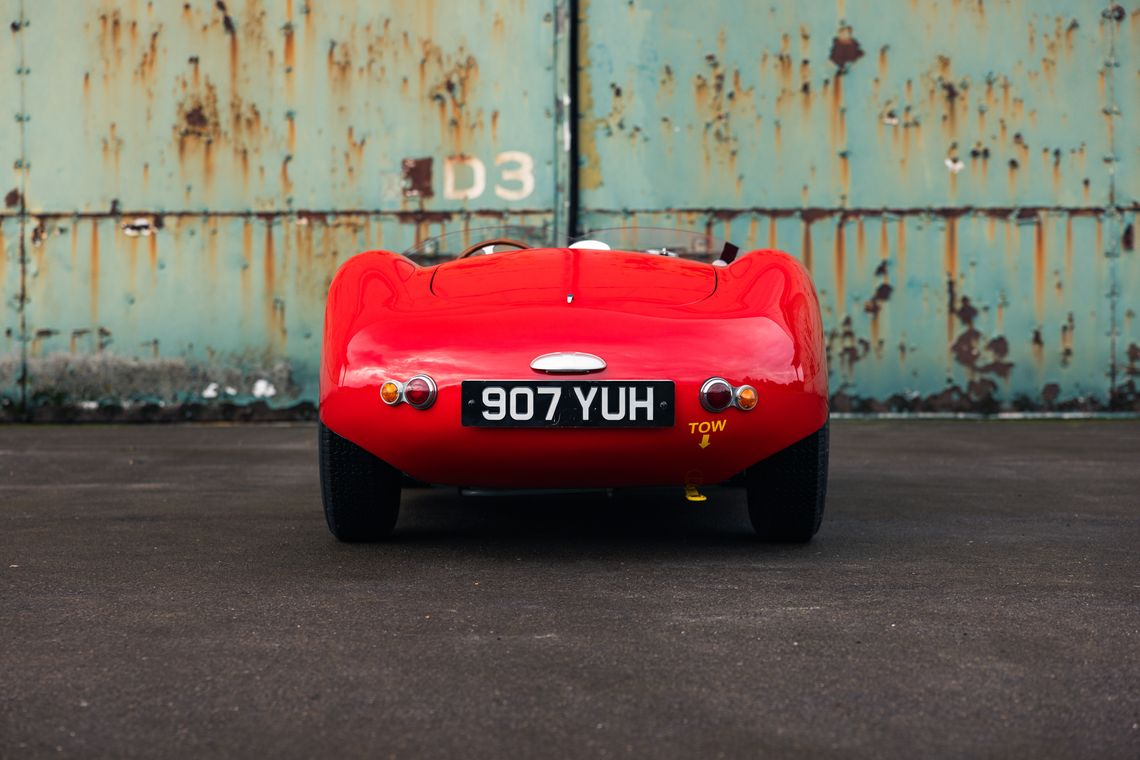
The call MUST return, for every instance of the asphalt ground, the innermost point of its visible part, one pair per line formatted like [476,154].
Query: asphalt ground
[173,591]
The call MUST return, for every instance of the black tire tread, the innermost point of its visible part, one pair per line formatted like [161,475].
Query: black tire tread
[360,492]
[787,491]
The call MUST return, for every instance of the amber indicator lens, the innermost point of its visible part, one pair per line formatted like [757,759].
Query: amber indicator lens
[420,392]
[716,395]
[390,392]
[746,397]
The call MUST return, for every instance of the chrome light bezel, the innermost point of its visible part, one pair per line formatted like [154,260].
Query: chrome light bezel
[433,391]
[704,394]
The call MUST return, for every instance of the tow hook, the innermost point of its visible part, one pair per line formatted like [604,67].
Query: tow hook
[693,495]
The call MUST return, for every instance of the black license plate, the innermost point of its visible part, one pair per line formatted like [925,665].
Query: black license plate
[568,403]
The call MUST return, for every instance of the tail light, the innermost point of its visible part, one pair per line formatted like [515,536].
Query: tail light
[390,392]
[746,398]
[419,392]
[717,394]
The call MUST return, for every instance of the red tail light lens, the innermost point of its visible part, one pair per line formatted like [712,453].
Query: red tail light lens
[716,394]
[420,391]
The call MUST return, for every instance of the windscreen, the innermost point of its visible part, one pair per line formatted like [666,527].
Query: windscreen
[691,244]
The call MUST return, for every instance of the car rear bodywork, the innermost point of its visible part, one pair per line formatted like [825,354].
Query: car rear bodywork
[649,317]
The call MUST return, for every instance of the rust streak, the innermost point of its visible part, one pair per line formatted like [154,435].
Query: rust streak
[1069,249]
[753,233]
[289,54]
[303,244]
[378,239]
[950,261]
[152,252]
[884,241]
[1039,267]
[840,267]
[246,267]
[235,64]
[212,249]
[132,247]
[806,247]
[269,274]
[93,274]
[208,164]
[74,247]
[286,181]
[904,154]
[836,120]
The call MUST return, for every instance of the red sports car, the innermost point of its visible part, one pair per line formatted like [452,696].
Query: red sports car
[664,359]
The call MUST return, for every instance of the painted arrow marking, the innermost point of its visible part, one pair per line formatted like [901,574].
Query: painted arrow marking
[704,444]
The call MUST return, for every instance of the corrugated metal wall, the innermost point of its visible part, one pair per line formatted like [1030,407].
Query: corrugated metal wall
[960,176]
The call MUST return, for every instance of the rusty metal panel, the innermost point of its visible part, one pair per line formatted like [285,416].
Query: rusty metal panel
[200,168]
[134,316]
[12,108]
[12,168]
[862,103]
[960,177]
[955,175]
[11,352]
[1126,328]
[1013,330]
[206,309]
[250,105]
[1122,68]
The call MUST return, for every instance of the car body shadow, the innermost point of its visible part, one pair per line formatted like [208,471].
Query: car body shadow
[571,524]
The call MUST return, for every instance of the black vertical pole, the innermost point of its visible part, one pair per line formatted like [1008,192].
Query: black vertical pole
[572,222]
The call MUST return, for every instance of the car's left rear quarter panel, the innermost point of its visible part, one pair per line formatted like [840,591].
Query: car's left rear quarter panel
[761,328]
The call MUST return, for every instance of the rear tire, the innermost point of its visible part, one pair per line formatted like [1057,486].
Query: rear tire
[361,492]
[787,491]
